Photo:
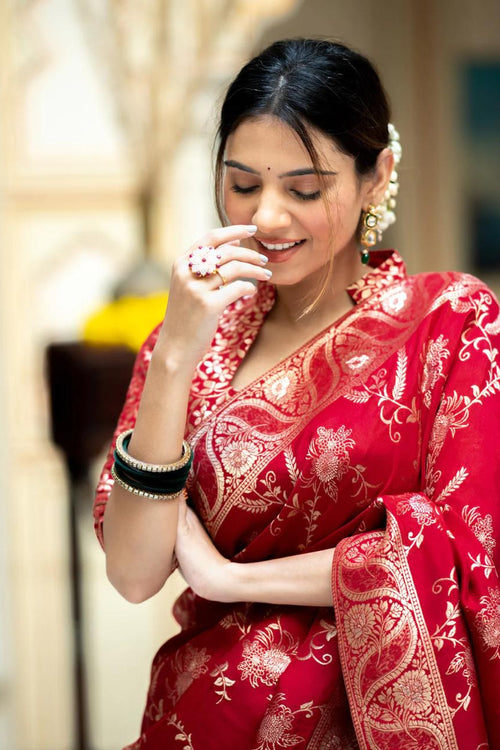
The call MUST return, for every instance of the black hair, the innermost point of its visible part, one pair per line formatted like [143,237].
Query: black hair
[310,82]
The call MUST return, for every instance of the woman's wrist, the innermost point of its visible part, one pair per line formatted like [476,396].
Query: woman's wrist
[235,583]
[159,428]
[171,362]
[222,582]
[232,586]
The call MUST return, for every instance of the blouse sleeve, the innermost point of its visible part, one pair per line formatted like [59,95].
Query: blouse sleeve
[462,471]
[418,597]
[125,422]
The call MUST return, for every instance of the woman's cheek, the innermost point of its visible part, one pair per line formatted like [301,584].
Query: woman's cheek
[232,208]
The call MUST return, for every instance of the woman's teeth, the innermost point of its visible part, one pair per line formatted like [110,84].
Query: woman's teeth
[283,246]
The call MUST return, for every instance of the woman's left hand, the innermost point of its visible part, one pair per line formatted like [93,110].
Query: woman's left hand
[203,567]
[303,579]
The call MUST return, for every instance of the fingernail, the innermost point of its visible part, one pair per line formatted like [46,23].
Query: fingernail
[268,272]
[263,258]
[251,228]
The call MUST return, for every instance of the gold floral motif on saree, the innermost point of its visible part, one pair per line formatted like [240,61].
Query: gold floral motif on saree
[249,429]
[383,628]
[267,655]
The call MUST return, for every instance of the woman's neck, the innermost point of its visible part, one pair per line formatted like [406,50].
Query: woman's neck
[293,301]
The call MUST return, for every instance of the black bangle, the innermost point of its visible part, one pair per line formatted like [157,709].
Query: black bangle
[149,478]
[122,443]
[144,493]
[150,481]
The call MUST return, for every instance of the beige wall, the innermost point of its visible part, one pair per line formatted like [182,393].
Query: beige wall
[417,46]
[70,230]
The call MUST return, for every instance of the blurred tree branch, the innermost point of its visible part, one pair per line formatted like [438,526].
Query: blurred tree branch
[156,55]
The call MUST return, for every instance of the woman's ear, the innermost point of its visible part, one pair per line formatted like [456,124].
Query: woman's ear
[377,184]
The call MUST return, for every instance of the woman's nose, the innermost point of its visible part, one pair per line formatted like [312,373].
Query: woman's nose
[270,213]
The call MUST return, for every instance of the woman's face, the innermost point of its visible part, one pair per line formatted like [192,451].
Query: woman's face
[270,181]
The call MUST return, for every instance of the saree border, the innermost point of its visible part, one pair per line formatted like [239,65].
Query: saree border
[375,624]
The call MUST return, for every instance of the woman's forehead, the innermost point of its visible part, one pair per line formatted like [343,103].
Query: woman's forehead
[269,139]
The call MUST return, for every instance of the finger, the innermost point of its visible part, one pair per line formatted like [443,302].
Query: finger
[228,252]
[239,272]
[235,269]
[235,290]
[203,260]
[221,235]
[233,262]
[225,253]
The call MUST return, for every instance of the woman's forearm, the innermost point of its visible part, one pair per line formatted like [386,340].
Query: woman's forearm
[139,534]
[304,580]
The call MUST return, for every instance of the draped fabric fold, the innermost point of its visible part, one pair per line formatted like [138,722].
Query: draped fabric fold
[375,439]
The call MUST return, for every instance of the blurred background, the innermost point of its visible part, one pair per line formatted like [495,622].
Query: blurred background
[107,113]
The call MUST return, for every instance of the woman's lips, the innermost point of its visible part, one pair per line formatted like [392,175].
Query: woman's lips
[279,251]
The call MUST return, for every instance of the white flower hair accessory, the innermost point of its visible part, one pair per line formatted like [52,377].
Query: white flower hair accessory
[385,210]
[376,219]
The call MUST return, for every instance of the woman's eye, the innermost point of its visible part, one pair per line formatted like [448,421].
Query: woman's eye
[307,196]
[298,194]
[244,190]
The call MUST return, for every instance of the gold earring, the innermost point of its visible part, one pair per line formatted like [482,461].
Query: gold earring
[369,234]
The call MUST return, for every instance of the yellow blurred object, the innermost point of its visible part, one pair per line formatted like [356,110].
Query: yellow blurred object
[127,321]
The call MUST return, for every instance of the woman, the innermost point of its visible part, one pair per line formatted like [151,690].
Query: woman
[339,538]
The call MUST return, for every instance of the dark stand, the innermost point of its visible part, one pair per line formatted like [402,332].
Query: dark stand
[87,386]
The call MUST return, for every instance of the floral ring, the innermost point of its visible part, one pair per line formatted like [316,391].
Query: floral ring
[204,261]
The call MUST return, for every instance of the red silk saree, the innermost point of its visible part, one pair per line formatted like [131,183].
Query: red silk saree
[379,439]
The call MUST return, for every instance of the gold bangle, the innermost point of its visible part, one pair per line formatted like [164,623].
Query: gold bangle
[143,493]
[136,464]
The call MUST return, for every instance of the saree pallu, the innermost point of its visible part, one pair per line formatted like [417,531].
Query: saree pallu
[376,439]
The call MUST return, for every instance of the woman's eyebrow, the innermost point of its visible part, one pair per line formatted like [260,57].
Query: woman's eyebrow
[239,165]
[293,173]
[307,170]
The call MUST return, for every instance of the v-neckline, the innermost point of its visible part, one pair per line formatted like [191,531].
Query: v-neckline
[280,364]
[385,268]
[241,323]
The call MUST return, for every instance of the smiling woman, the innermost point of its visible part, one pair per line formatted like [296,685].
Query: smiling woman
[288,201]
[298,436]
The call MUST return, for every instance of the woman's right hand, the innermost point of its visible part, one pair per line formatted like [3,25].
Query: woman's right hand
[140,535]
[195,303]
